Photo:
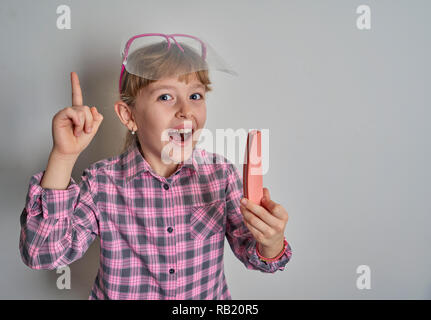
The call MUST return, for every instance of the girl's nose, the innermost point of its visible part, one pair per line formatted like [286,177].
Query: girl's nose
[184,108]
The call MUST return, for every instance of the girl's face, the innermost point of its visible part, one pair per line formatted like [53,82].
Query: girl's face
[164,105]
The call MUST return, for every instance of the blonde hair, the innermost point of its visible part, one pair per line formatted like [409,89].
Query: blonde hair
[161,63]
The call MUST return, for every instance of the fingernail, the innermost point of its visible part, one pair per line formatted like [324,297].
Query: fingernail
[243,201]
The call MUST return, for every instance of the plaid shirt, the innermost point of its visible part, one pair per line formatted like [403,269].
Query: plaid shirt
[160,238]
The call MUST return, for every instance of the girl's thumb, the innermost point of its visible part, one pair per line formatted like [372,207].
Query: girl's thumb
[97,116]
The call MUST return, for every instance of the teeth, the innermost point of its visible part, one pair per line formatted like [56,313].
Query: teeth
[184,131]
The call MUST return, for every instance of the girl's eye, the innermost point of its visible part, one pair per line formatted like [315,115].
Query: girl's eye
[197,94]
[163,95]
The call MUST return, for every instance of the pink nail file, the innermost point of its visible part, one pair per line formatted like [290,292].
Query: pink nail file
[252,168]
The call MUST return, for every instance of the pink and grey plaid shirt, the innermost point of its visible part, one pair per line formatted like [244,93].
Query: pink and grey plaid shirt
[160,238]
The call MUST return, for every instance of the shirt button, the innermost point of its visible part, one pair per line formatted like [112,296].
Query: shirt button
[166,186]
[170,229]
[171,270]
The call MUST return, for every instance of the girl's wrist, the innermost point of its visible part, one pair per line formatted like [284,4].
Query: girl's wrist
[58,172]
[59,157]
[263,255]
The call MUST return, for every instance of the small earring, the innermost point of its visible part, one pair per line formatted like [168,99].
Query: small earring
[133,132]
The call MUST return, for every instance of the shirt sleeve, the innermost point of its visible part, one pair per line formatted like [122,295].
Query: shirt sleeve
[58,226]
[241,240]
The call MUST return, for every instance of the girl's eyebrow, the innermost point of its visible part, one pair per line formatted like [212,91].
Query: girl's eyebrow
[197,85]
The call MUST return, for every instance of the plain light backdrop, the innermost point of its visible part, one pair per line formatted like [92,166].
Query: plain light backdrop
[347,111]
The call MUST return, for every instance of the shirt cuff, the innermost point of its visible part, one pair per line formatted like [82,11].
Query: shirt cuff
[261,257]
[52,203]
[269,266]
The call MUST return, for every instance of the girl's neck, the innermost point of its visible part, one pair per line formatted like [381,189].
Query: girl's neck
[157,165]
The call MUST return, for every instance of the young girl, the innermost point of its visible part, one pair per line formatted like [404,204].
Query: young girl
[161,225]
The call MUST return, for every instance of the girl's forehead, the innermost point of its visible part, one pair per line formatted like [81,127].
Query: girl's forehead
[181,79]
[174,83]
[171,83]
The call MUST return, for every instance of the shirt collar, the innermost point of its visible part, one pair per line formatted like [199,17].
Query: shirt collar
[135,163]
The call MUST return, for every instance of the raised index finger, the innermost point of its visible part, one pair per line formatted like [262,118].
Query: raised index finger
[76,90]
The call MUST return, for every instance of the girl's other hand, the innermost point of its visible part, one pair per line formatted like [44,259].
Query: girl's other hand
[74,127]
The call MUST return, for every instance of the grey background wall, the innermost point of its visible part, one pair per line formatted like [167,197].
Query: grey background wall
[347,110]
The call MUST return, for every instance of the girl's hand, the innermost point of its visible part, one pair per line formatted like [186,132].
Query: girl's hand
[74,127]
[267,224]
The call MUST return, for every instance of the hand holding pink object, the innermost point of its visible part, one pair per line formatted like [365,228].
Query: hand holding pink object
[265,218]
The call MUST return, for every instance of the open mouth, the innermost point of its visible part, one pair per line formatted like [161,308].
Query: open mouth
[180,136]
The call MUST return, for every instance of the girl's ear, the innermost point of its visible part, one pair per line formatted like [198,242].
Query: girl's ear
[124,113]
